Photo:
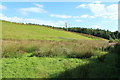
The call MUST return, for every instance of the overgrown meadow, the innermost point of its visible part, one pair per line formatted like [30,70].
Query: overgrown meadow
[58,59]
[44,48]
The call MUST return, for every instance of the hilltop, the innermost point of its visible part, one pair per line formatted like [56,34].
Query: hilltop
[17,31]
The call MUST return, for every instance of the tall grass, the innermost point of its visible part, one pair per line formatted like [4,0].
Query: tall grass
[74,49]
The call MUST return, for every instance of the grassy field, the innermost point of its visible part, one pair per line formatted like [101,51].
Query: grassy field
[46,67]
[31,32]
[31,51]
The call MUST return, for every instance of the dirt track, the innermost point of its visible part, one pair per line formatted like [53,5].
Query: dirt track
[111,44]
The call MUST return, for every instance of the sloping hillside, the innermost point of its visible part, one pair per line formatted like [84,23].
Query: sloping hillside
[32,32]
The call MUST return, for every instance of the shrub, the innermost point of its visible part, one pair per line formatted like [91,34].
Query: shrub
[117,48]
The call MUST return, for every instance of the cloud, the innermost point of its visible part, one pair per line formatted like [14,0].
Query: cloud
[92,16]
[39,5]
[37,9]
[2,7]
[60,16]
[78,20]
[97,2]
[64,16]
[100,10]
[1,15]
[35,21]
[69,16]
[75,17]
[85,16]
[81,6]
[96,26]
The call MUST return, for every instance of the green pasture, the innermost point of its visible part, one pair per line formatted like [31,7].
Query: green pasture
[14,31]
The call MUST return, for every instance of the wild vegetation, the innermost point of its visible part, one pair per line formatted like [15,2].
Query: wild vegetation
[105,65]
[30,52]
[74,49]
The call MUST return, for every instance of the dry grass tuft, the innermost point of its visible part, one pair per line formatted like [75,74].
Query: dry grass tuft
[40,48]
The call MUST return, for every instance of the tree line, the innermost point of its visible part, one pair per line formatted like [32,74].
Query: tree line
[95,32]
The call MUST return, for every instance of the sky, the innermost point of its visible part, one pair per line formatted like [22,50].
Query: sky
[97,14]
